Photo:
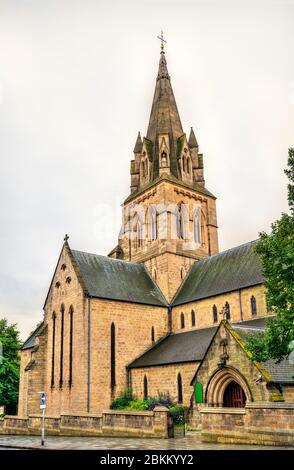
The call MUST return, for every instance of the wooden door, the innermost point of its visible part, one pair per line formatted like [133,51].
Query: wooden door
[234,396]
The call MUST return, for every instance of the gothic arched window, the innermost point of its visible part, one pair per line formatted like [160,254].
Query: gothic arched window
[112,355]
[180,388]
[163,159]
[61,345]
[197,225]
[253,305]
[188,165]
[182,272]
[153,222]
[145,387]
[182,320]
[152,334]
[214,313]
[182,221]
[179,222]
[139,234]
[71,312]
[193,318]
[227,311]
[53,348]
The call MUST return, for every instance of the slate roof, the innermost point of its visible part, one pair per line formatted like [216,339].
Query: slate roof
[281,372]
[110,278]
[179,347]
[31,341]
[189,346]
[230,270]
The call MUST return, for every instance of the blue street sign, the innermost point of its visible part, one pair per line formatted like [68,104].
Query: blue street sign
[43,400]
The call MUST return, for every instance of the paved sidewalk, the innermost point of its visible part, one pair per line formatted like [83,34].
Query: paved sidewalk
[189,442]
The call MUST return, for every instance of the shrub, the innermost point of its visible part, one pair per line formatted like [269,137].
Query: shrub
[138,405]
[123,401]
[161,400]
[179,414]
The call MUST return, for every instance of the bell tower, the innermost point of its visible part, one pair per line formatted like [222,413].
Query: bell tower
[169,218]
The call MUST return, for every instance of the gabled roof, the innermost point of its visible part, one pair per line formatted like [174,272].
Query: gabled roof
[31,341]
[114,279]
[230,270]
[189,346]
[280,372]
[179,347]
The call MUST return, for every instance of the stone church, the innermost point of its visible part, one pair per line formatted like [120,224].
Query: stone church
[164,305]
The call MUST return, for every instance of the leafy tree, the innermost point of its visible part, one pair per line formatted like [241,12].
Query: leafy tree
[276,252]
[9,364]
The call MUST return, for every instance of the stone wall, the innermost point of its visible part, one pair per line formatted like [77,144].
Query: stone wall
[166,255]
[257,423]
[203,308]
[238,366]
[114,423]
[133,324]
[163,379]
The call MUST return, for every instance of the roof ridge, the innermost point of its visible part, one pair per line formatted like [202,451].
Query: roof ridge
[106,256]
[204,278]
[228,249]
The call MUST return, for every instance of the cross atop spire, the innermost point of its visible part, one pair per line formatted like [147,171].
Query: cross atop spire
[162,41]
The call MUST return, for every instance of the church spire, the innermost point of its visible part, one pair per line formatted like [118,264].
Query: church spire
[164,118]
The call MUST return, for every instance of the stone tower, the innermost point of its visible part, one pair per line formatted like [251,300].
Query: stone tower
[169,219]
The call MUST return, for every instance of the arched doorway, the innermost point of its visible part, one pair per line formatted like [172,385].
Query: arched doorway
[234,396]
[218,384]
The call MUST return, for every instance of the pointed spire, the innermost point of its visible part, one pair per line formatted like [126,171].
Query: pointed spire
[162,70]
[164,118]
[192,140]
[139,144]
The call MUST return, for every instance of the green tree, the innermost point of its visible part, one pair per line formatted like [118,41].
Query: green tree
[276,252]
[9,364]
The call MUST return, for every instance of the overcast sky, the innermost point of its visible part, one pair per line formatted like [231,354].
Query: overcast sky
[77,79]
